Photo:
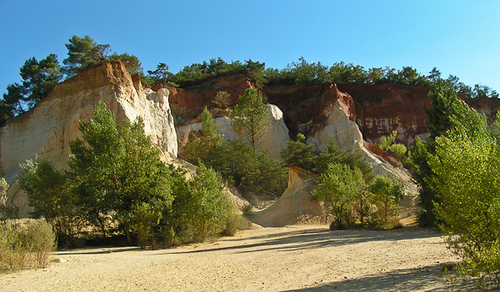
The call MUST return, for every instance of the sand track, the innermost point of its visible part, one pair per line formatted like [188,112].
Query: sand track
[293,258]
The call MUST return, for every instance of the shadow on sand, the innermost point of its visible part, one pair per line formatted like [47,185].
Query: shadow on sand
[314,238]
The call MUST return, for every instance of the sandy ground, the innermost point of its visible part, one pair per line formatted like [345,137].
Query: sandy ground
[294,258]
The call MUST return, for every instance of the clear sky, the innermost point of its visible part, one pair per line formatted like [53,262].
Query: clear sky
[458,37]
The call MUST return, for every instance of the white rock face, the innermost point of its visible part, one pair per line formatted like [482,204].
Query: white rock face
[273,141]
[277,135]
[47,129]
[344,132]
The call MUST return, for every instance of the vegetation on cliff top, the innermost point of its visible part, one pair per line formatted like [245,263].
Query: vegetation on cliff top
[39,77]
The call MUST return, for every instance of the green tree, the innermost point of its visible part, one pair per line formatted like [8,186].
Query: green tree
[341,186]
[38,79]
[5,112]
[387,143]
[444,105]
[386,196]
[200,210]
[210,138]
[210,134]
[50,196]
[82,53]
[222,99]
[255,72]
[465,164]
[299,154]
[249,116]
[131,62]
[161,75]
[333,154]
[116,170]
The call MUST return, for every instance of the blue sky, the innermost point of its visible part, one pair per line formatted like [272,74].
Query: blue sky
[458,37]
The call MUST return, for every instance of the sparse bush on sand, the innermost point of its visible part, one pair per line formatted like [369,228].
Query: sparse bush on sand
[25,246]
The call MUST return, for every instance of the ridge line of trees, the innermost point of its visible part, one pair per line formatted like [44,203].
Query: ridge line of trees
[39,77]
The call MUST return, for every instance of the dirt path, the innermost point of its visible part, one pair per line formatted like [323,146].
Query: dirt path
[295,258]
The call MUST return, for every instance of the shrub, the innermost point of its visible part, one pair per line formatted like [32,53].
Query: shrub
[386,194]
[234,223]
[6,211]
[199,211]
[26,246]
[341,186]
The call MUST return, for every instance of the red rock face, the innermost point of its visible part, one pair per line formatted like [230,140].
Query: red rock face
[377,109]
[380,109]
[485,105]
[191,100]
[303,106]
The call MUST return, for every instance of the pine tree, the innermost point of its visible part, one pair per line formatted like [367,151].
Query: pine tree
[249,116]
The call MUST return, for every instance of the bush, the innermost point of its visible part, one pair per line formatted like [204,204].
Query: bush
[234,223]
[465,167]
[199,211]
[386,194]
[342,187]
[26,246]
[6,211]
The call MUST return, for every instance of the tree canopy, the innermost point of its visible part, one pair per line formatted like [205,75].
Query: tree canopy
[83,52]
[38,79]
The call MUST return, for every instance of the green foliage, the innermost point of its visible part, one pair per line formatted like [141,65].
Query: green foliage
[38,79]
[347,73]
[386,194]
[333,154]
[237,162]
[249,116]
[387,143]
[131,62]
[200,210]
[465,164]
[303,72]
[222,99]
[159,76]
[298,154]
[4,186]
[457,172]
[115,177]
[247,210]
[210,139]
[116,170]
[248,169]
[444,105]
[82,53]
[6,211]
[27,246]
[5,112]
[50,196]
[341,186]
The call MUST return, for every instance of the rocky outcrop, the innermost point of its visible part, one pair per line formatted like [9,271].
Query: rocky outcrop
[47,129]
[295,203]
[323,113]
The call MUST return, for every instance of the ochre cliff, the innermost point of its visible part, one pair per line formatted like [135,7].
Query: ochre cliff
[47,129]
[350,114]
[380,109]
